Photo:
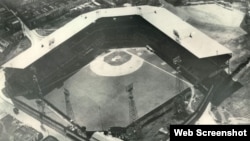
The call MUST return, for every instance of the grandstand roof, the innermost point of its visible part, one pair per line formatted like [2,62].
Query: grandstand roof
[189,37]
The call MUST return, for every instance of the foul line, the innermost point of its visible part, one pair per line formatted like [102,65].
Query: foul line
[160,68]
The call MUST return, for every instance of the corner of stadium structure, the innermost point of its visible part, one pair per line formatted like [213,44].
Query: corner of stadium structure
[204,69]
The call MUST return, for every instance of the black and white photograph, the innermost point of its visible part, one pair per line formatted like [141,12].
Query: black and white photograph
[122,70]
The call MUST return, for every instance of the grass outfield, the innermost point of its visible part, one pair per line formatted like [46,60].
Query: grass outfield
[101,102]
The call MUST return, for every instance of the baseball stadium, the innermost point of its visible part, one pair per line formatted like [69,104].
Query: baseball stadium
[117,67]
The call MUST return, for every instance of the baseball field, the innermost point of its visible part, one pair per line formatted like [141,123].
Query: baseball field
[98,91]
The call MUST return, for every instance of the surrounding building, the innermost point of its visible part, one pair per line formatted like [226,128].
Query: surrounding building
[10,28]
[96,28]
[59,57]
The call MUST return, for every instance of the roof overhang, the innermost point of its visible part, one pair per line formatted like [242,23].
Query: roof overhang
[189,37]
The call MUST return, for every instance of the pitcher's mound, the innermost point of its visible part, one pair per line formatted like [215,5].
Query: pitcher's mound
[116,63]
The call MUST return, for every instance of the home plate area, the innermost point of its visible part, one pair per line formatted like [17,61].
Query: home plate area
[116,63]
[98,91]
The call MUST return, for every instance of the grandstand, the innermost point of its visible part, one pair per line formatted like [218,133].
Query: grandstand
[201,57]
[56,58]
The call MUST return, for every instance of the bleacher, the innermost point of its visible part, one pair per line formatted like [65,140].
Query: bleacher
[126,31]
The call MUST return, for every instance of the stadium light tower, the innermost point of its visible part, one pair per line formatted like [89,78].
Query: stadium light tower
[134,131]
[70,113]
[40,103]
[69,109]
[133,115]
[179,84]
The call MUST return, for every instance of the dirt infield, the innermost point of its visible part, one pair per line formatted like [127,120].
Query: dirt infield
[115,63]
[100,102]
[117,58]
